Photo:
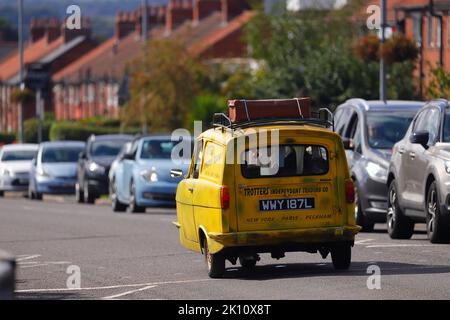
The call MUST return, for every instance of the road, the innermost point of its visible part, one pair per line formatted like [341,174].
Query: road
[137,256]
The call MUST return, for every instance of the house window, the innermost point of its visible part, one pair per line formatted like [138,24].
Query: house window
[416,29]
[438,33]
[430,31]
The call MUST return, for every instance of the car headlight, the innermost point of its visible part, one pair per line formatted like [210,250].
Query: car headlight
[149,175]
[5,172]
[447,166]
[41,172]
[96,168]
[376,172]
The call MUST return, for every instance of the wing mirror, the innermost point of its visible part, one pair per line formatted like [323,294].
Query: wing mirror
[348,144]
[128,156]
[82,155]
[176,173]
[420,137]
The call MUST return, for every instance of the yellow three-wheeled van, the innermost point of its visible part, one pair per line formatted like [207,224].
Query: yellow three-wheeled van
[267,185]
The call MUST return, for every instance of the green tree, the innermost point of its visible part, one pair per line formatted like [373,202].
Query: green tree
[164,82]
[439,86]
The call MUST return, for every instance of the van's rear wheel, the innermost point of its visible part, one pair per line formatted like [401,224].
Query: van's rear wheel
[341,255]
[215,262]
[398,225]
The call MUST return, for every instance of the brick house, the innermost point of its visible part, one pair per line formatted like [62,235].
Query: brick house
[97,83]
[50,49]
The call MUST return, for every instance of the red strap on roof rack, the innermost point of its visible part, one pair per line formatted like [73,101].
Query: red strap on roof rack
[250,110]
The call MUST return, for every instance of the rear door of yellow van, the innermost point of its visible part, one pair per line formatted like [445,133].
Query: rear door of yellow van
[301,194]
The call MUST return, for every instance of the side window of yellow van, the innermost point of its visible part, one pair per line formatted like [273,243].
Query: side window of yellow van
[198,158]
[213,162]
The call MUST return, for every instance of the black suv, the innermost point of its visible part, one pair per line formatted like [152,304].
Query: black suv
[94,164]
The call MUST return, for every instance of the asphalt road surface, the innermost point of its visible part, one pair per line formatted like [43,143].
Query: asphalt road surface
[137,256]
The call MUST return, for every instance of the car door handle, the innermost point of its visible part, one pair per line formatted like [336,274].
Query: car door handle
[191,190]
[401,150]
[412,155]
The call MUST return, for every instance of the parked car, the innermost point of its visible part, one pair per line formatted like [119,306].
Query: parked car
[142,177]
[230,210]
[94,163]
[419,176]
[15,166]
[54,170]
[369,130]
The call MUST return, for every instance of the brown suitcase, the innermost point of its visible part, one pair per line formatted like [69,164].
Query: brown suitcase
[250,110]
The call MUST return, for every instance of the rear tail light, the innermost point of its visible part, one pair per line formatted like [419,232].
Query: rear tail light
[349,191]
[225,197]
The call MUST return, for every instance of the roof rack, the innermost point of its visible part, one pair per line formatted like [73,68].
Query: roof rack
[221,120]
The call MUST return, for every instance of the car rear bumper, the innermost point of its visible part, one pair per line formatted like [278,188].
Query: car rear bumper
[275,237]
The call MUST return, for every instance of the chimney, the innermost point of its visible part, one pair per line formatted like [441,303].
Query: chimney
[53,30]
[125,24]
[233,8]
[203,8]
[72,34]
[178,11]
[38,29]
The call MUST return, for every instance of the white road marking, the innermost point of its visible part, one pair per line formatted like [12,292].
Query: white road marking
[28,257]
[386,245]
[112,287]
[363,241]
[128,292]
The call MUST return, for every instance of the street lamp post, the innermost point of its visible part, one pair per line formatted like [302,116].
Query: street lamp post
[21,72]
[382,62]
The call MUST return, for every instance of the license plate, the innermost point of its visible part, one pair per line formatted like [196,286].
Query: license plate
[286,204]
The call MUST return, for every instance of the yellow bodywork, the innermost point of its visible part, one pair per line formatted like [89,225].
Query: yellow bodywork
[199,210]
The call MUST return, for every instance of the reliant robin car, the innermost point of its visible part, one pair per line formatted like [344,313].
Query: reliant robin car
[235,203]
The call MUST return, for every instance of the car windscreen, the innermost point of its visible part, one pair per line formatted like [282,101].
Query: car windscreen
[60,154]
[384,129]
[292,160]
[18,155]
[446,131]
[107,148]
[157,149]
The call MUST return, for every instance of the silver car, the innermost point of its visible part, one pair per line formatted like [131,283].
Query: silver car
[419,176]
[369,130]
[15,166]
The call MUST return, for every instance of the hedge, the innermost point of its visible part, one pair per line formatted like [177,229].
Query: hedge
[30,130]
[79,131]
[7,138]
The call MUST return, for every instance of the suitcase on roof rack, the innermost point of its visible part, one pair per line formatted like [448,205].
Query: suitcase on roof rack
[250,110]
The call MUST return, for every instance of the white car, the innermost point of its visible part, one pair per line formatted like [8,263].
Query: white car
[15,166]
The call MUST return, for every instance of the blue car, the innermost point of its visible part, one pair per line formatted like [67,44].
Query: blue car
[141,176]
[54,170]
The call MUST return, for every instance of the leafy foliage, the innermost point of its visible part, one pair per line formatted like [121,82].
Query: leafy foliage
[439,86]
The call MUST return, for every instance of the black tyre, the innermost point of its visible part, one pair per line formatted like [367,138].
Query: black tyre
[248,263]
[79,194]
[214,262]
[361,219]
[134,207]
[438,227]
[38,196]
[89,197]
[2,194]
[341,255]
[117,206]
[398,225]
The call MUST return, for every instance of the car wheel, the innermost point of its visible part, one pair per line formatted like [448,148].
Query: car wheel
[361,219]
[89,197]
[398,226]
[117,206]
[438,227]
[2,194]
[248,263]
[341,255]
[214,262]
[79,195]
[134,207]
[38,196]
